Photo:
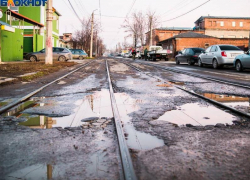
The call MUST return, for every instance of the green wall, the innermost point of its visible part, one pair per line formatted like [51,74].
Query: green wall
[12,45]
[27,44]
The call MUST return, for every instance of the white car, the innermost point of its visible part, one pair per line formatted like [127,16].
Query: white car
[219,55]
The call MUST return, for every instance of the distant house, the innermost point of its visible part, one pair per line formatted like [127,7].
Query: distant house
[66,41]
[160,34]
[224,26]
[32,21]
[192,39]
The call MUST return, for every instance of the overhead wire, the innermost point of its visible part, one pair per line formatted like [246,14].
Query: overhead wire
[75,12]
[187,12]
[131,7]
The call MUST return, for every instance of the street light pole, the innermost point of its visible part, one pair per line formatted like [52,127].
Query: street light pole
[92,29]
[49,19]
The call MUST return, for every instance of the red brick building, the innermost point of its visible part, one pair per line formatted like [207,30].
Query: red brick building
[223,26]
[191,39]
[161,34]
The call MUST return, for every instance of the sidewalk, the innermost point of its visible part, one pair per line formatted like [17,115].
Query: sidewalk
[26,71]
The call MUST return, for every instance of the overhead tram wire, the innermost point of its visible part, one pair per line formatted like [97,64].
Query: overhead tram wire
[187,12]
[75,12]
[78,7]
[83,7]
[180,7]
[131,7]
[173,8]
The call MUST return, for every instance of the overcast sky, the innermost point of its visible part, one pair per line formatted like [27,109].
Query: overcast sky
[165,10]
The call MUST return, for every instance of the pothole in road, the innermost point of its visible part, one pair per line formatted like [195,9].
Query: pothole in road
[93,107]
[198,115]
[135,139]
[238,102]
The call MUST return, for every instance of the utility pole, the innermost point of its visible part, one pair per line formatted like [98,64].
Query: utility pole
[249,41]
[151,33]
[48,51]
[91,41]
[96,45]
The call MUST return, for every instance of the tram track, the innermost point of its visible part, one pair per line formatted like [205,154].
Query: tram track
[28,96]
[191,92]
[195,75]
[128,170]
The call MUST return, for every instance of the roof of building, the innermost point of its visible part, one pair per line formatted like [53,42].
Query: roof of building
[174,28]
[56,12]
[189,35]
[220,17]
[22,17]
[4,23]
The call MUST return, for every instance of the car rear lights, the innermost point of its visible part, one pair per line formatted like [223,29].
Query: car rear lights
[223,54]
[195,56]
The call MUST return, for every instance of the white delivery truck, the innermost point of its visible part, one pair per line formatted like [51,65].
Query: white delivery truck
[157,52]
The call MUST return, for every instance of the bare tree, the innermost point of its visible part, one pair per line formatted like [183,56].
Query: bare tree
[81,39]
[136,28]
[152,22]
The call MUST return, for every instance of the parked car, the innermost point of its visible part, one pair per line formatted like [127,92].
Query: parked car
[59,54]
[219,55]
[189,55]
[78,54]
[242,61]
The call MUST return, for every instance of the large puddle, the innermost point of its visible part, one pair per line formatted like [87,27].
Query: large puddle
[38,171]
[94,105]
[135,139]
[198,115]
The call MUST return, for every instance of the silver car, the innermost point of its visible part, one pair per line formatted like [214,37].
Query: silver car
[59,54]
[242,61]
[219,55]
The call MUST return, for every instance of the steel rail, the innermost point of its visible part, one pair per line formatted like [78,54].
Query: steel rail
[193,93]
[196,75]
[128,169]
[22,99]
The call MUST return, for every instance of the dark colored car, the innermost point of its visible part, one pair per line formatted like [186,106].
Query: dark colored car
[189,55]
[78,54]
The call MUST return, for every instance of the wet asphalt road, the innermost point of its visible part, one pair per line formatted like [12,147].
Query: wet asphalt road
[67,130]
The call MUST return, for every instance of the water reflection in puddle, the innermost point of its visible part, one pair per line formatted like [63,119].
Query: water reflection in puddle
[41,171]
[94,105]
[198,115]
[136,139]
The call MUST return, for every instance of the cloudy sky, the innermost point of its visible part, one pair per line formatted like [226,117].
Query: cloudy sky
[113,13]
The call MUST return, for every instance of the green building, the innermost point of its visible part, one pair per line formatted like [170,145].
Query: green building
[25,31]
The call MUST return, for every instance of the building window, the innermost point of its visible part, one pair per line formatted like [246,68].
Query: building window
[241,24]
[210,23]
[214,23]
[57,24]
[206,45]
[222,23]
[233,24]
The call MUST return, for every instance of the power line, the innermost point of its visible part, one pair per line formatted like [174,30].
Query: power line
[83,7]
[75,12]
[172,8]
[186,12]
[78,7]
[131,7]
